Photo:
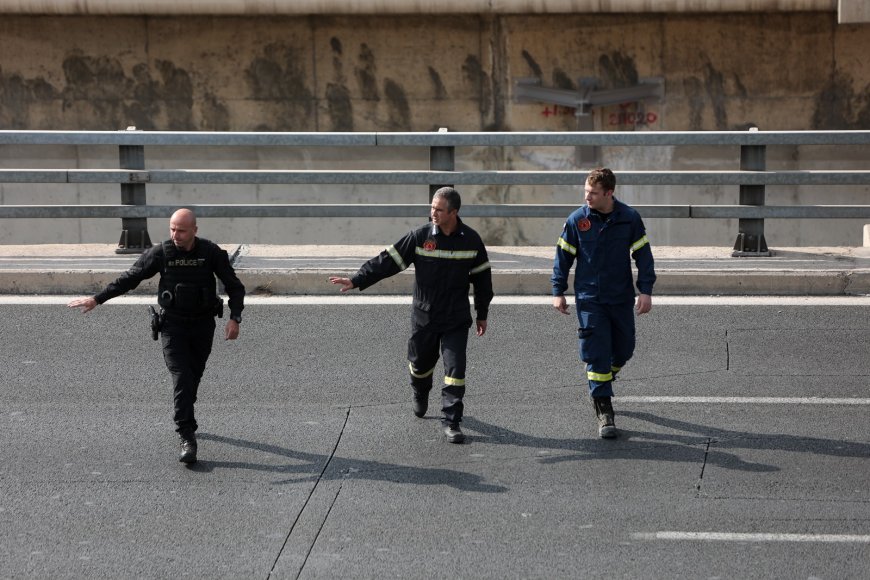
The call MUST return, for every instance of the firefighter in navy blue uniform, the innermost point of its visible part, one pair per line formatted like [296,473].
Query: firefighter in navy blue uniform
[447,257]
[187,294]
[603,236]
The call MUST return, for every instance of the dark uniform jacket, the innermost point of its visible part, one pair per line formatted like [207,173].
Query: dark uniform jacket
[187,283]
[444,266]
[603,249]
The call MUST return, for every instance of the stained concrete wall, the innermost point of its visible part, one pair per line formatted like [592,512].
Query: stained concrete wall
[787,71]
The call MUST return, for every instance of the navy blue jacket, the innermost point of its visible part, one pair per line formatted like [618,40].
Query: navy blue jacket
[603,251]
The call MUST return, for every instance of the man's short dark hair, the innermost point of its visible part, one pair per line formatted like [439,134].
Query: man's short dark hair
[604,176]
[451,196]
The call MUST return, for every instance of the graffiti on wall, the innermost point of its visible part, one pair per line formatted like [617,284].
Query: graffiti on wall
[623,116]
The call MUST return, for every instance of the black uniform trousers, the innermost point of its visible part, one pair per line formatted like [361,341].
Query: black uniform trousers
[187,345]
[423,348]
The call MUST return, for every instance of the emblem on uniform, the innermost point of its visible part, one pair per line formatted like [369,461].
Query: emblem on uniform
[429,245]
[583,224]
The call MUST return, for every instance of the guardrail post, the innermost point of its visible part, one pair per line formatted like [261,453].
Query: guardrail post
[750,239]
[134,231]
[441,159]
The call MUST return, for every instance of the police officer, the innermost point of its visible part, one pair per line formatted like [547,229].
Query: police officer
[188,296]
[447,256]
[603,236]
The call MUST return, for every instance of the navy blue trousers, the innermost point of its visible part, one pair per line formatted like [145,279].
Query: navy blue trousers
[607,339]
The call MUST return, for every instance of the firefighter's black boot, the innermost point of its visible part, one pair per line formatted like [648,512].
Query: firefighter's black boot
[604,413]
[421,400]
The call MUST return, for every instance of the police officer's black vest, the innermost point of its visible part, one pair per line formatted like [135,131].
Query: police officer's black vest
[187,284]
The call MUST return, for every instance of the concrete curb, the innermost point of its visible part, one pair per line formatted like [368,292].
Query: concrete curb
[763,283]
[84,282]
[505,282]
[82,269]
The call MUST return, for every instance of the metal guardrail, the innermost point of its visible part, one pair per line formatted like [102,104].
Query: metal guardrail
[434,139]
[559,211]
[752,176]
[404,177]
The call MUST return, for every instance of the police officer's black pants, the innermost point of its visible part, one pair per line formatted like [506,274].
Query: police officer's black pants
[423,349]
[186,347]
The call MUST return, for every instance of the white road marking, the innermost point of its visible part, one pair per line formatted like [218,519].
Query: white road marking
[357,299]
[752,537]
[747,400]
[761,301]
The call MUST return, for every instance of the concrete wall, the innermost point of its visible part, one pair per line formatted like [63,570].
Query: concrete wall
[418,73]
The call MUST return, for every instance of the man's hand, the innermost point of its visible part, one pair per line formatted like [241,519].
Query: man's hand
[560,304]
[345,283]
[644,304]
[481,327]
[231,332]
[83,304]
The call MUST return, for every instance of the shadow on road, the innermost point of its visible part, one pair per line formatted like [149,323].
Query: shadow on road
[658,446]
[729,439]
[309,466]
[672,446]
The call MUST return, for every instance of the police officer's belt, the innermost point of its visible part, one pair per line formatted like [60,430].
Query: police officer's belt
[187,317]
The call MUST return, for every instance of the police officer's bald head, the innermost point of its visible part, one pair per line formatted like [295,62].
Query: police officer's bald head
[182,229]
[184,215]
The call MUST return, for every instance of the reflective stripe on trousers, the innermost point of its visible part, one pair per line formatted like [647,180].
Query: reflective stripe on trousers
[424,348]
[607,340]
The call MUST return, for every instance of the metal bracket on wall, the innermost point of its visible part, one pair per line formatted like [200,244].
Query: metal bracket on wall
[583,99]
[529,90]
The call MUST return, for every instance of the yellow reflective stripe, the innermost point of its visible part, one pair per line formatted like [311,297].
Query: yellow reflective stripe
[600,377]
[416,374]
[479,269]
[615,369]
[397,258]
[454,382]
[447,254]
[567,247]
[639,244]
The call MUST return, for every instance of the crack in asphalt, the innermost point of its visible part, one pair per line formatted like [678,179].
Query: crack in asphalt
[305,505]
[703,466]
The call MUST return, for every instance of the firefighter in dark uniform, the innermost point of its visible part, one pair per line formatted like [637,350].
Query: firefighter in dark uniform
[447,256]
[188,297]
[603,236]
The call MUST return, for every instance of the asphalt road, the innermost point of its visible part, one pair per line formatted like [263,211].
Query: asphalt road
[313,466]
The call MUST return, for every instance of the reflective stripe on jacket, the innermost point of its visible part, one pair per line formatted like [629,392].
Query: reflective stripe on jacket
[444,267]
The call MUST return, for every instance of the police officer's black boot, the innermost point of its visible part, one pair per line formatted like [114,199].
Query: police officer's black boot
[605,414]
[188,449]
